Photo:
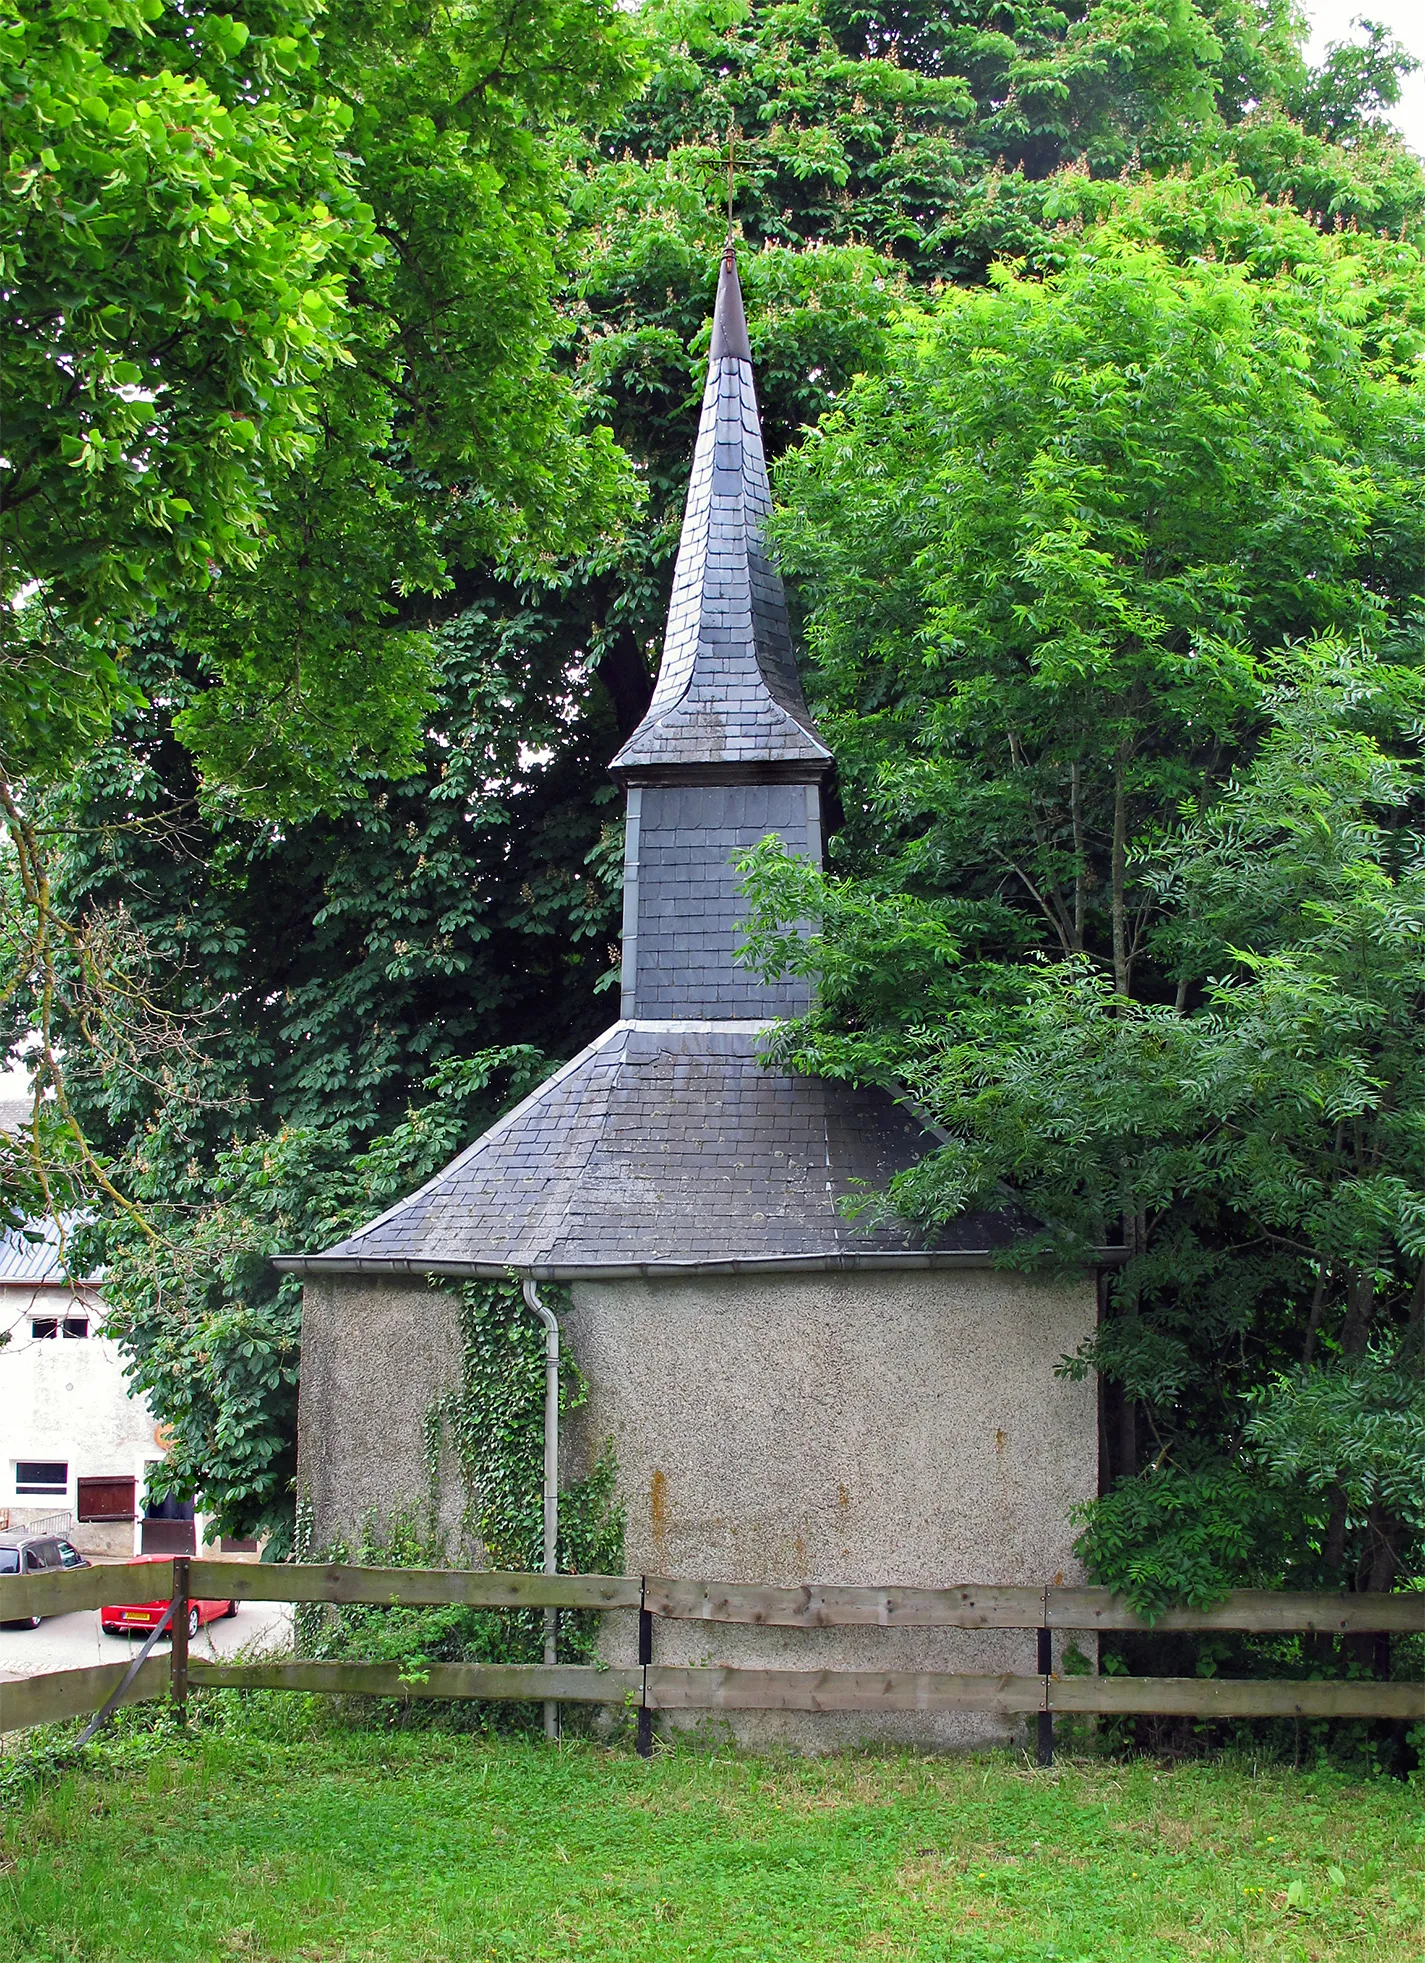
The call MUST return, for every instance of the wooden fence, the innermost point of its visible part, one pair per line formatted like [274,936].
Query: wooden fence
[648,1686]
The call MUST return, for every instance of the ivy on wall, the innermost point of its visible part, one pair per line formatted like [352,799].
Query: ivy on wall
[492,1424]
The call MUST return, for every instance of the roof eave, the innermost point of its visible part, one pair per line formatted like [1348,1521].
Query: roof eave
[772,1264]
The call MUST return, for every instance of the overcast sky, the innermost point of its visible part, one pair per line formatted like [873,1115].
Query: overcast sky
[1331,21]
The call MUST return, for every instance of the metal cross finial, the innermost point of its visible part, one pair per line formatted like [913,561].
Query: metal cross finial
[731,150]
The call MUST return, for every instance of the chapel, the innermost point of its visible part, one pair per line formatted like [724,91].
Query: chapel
[790,1395]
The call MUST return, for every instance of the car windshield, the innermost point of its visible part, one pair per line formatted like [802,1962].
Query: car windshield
[9,1560]
[70,1557]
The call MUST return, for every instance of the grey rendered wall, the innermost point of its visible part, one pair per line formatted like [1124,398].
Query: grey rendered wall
[375,1354]
[895,1427]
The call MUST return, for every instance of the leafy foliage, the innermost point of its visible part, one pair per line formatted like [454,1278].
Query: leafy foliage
[493,1423]
[211,1329]
[238,252]
[1185,1535]
[179,229]
[1354,1427]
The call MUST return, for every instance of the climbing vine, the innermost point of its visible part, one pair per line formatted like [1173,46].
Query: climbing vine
[492,1424]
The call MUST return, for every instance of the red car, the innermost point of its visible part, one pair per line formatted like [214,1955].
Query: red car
[134,1618]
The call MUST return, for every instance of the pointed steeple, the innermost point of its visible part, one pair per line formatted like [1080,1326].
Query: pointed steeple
[727,700]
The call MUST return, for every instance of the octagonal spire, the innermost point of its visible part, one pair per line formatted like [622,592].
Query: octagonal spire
[727,700]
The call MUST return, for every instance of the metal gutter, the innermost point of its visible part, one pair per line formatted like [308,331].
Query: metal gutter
[551,1483]
[977,1257]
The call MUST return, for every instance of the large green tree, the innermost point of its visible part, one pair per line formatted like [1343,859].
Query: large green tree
[279,293]
[1115,587]
[237,249]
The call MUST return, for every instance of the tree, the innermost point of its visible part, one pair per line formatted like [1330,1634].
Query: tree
[178,235]
[276,285]
[1044,553]
[1130,868]
[237,251]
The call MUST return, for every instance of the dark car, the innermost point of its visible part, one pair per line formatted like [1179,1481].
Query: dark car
[22,1552]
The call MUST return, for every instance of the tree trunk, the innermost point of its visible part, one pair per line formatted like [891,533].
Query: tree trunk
[1313,1321]
[1355,1332]
[1119,872]
[1081,864]
[1128,1438]
[624,673]
[1333,1549]
[1415,1327]
[1381,1565]
[1360,1305]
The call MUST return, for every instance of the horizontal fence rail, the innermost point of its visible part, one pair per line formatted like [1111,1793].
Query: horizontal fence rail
[495,1683]
[75,1693]
[649,1687]
[249,1581]
[62,1590]
[828,1607]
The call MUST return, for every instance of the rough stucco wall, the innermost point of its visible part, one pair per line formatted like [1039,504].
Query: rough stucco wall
[873,1428]
[375,1353]
[869,1428]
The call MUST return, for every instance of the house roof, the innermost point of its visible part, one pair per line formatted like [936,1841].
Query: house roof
[14,1113]
[666,1146]
[727,697]
[31,1255]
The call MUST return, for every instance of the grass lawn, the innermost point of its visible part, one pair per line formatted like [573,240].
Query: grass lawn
[338,1846]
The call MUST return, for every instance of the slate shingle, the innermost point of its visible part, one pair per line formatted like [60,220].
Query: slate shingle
[667,1147]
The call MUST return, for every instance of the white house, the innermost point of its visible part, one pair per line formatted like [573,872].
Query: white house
[75,1442]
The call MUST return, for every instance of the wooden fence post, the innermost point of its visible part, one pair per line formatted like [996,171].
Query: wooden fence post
[1045,1660]
[645,1657]
[178,1652]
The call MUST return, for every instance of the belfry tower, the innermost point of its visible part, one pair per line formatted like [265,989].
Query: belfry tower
[790,1394]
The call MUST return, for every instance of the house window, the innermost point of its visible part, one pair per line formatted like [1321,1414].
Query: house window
[41,1476]
[76,1325]
[44,1325]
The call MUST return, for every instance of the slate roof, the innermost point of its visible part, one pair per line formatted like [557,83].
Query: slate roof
[30,1256]
[727,692]
[665,1146]
[14,1114]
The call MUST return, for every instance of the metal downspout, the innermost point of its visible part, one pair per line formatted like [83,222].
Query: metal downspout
[551,1482]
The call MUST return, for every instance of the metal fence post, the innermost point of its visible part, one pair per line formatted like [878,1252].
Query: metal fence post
[1045,1661]
[178,1652]
[645,1657]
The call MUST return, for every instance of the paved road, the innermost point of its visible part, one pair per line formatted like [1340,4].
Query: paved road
[68,1642]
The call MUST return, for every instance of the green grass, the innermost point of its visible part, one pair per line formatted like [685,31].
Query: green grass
[338,1846]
